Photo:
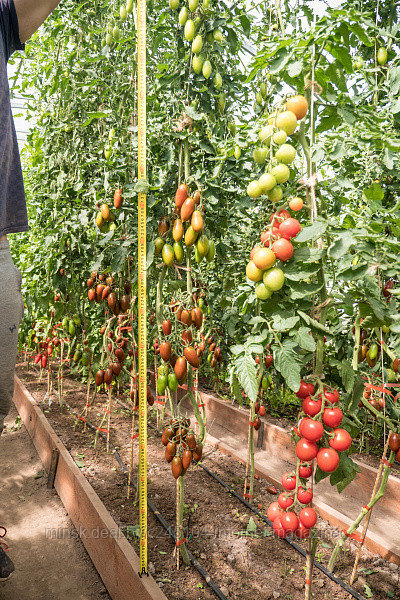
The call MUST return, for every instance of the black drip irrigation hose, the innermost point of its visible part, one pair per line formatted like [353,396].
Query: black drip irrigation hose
[206,576]
[192,559]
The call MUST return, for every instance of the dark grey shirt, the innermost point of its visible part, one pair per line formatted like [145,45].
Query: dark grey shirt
[13,214]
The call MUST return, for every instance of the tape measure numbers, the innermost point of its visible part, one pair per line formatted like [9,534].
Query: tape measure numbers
[142,285]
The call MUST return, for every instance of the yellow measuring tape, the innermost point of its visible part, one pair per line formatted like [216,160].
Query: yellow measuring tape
[142,279]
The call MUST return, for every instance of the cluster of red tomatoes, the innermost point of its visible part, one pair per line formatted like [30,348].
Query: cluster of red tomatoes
[275,245]
[319,438]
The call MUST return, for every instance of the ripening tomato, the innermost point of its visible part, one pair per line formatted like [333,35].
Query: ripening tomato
[328,460]
[296,204]
[304,495]
[308,517]
[288,481]
[283,249]
[278,529]
[264,237]
[274,510]
[253,272]
[285,501]
[289,228]
[342,440]
[289,521]
[305,471]
[311,430]
[302,532]
[283,214]
[332,417]
[306,450]
[394,442]
[298,105]
[312,407]
[263,258]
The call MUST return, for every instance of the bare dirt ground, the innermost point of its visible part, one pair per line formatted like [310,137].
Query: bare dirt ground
[48,566]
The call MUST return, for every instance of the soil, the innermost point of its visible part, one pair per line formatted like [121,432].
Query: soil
[245,564]
[50,560]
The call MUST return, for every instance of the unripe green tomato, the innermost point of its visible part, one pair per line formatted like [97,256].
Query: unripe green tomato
[274,279]
[129,6]
[207,69]
[206,4]
[262,292]
[174,4]
[173,382]
[197,23]
[203,245]
[217,36]
[123,13]
[197,44]
[116,33]
[158,245]
[162,383]
[373,351]
[197,256]
[260,155]
[259,99]
[110,28]
[391,376]
[385,328]
[193,4]
[280,137]
[198,62]
[276,194]
[168,254]
[178,252]
[109,39]
[267,182]
[382,56]
[281,173]
[190,30]
[237,152]
[107,152]
[265,134]
[218,81]
[254,190]
[232,127]
[221,102]
[183,16]
[264,383]
[263,90]
[286,154]
[163,369]
[211,251]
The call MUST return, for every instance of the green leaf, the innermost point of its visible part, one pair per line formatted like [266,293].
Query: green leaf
[312,232]
[302,289]
[281,58]
[245,368]
[345,473]
[251,527]
[356,393]
[305,340]
[374,192]
[294,272]
[313,323]
[295,68]
[94,115]
[281,324]
[286,362]
[348,376]
[341,244]
[142,187]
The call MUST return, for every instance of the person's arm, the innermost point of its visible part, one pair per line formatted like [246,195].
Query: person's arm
[31,14]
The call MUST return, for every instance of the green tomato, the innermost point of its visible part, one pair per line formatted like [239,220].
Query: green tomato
[276,194]
[190,30]
[107,152]
[286,154]
[183,16]
[263,90]
[211,252]
[218,36]
[158,245]
[173,382]
[373,351]
[264,383]
[221,102]
[203,245]
[259,99]
[207,69]
[287,121]
[71,328]
[260,155]
[162,383]
[198,62]
[280,137]
[198,258]
[253,273]
[65,323]
[174,4]
[265,134]
[281,173]
[77,320]
[382,56]
[267,182]
[254,189]
[168,254]
[262,291]
[86,357]
[232,127]
[274,279]
[77,356]
[237,152]
[391,376]
[218,81]
[116,33]
[178,252]
[129,6]
[123,13]
[163,370]
[193,4]
[197,44]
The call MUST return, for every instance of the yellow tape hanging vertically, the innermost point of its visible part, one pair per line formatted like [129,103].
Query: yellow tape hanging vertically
[142,283]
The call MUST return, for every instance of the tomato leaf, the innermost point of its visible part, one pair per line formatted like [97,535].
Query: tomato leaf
[245,368]
[313,323]
[305,340]
[142,187]
[282,324]
[312,232]
[348,376]
[345,473]
[302,289]
[296,273]
[286,362]
[341,244]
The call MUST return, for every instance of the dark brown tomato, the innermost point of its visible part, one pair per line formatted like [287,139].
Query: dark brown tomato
[197,197]
[186,459]
[394,442]
[108,375]
[128,287]
[180,368]
[99,379]
[186,318]
[90,283]
[106,292]
[210,340]
[101,277]
[269,359]
[120,354]
[187,337]
[257,424]
[92,295]
[168,457]
[99,292]
[112,300]
[197,317]
[165,351]
[191,441]
[109,280]
[125,303]
[213,346]
[167,327]
[172,360]
[176,467]
[167,435]
[163,226]
[198,453]
[171,448]
[191,356]
[214,362]
[117,368]
[117,309]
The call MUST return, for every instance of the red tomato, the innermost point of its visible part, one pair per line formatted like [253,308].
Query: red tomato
[278,529]
[274,510]
[311,389]
[306,450]
[302,532]
[269,359]
[264,237]
[289,521]
[328,460]
[289,481]
[331,395]
[308,517]
[303,392]
[262,412]
[285,501]
[332,417]
[311,430]
[312,407]
[342,440]
[276,233]
[304,495]
[283,249]
[305,471]
[289,228]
